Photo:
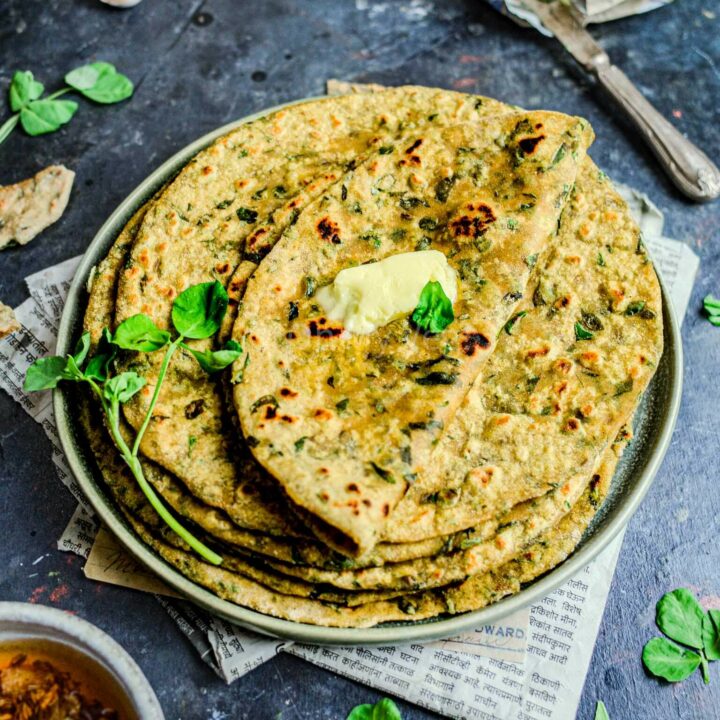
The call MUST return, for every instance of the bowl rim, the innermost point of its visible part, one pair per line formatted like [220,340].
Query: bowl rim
[83,636]
[287,629]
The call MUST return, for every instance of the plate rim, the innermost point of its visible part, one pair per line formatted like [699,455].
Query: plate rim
[288,629]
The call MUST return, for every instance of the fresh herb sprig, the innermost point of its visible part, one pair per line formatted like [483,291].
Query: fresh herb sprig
[680,617]
[384,709]
[98,81]
[196,314]
[712,309]
[434,311]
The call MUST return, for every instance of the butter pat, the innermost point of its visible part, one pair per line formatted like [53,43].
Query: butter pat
[366,297]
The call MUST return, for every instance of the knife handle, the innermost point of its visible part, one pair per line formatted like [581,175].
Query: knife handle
[688,167]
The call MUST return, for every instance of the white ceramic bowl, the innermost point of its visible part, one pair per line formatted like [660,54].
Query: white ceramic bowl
[25,621]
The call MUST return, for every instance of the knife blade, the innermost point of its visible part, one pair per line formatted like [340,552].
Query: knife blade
[686,165]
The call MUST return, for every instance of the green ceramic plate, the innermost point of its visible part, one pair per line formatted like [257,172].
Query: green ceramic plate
[654,423]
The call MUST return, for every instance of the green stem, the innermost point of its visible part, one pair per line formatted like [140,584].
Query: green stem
[58,93]
[8,126]
[704,667]
[112,412]
[161,376]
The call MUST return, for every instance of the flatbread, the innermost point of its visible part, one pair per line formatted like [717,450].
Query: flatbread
[28,207]
[8,322]
[305,381]
[438,509]
[472,594]
[456,523]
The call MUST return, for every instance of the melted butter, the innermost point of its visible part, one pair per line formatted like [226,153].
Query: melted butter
[367,297]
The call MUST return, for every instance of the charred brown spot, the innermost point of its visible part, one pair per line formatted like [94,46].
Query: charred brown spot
[474,224]
[367,503]
[287,392]
[270,412]
[207,170]
[222,268]
[290,335]
[386,509]
[352,487]
[573,424]
[540,352]
[329,230]
[323,471]
[528,145]
[256,236]
[414,147]
[316,331]
[473,340]
[538,126]
[254,338]
[323,414]
[562,302]
[195,408]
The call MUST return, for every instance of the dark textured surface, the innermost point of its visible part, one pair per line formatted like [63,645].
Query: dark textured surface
[197,65]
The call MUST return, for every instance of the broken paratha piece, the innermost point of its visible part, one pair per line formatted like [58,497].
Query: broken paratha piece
[8,321]
[28,207]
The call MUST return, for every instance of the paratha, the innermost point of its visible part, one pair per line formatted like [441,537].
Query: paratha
[507,487]
[333,416]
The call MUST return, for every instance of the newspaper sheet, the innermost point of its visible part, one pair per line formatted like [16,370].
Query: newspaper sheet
[518,668]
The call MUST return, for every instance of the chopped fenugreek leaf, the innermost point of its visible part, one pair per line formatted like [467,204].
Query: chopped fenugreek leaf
[511,322]
[581,333]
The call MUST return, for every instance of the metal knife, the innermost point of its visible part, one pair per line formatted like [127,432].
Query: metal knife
[688,167]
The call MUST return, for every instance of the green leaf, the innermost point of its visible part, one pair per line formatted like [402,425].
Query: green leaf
[712,308]
[511,322]
[72,370]
[246,215]
[198,311]
[45,374]
[434,311]
[45,116]
[680,617]
[139,333]
[82,348]
[581,333]
[101,82]
[97,368]
[711,634]
[384,709]
[24,89]
[669,661]
[601,712]
[122,387]
[213,361]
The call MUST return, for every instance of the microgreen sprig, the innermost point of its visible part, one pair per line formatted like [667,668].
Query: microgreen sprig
[680,617]
[98,81]
[197,314]
[384,709]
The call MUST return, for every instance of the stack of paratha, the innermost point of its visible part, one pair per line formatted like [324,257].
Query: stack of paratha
[353,479]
